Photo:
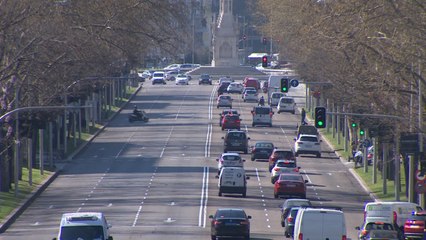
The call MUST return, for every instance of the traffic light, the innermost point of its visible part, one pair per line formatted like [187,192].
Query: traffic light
[361,132]
[264,61]
[284,85]
[353,125]
[320,117]
[244,37]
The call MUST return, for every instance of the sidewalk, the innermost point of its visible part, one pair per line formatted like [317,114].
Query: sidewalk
[5,223]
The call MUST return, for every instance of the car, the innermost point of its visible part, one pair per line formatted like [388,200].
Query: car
[286,104]
[289,222]
[229,160]
[185,67]
[144,74]
[382,235]
[231,121]
[307,144]
[307,129]
[230,222]
[172,67]
[290,203]
[376,225]
[158,78]
[227,111]
[250,96]
[283,166]
[290,184]
[274,98]
[262,115]
[232,180]
[224,101]
[205,79]
[235,140]
[84,225]
[246,89]
[280,153]
[414,226]
[223,88]
[235,87]
[262,150]
[225,79]
[181,79]
[171,75]
[251,82]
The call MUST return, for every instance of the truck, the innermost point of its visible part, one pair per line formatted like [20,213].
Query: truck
[274,82]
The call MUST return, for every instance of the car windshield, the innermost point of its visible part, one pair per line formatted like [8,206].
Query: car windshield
[376,226]
[264,145]
[158,74]
[251,92]
[182,75]
[308,139]
[82,232]
[291,177]
[224,112]
[262,110]
[233,118]
[237,135]
[231,157]
[205,76]
[225,97]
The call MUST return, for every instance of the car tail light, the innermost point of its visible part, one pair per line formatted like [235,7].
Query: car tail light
[216,222]
[221,160]
[238,121]
[300,237]
[276,169]
[270,114]
[395,217]
[244,222]
[364,232]
[253,150]
[296,170]
[343,237]
[290,219]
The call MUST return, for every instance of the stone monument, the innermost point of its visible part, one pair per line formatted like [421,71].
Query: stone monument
[225,37]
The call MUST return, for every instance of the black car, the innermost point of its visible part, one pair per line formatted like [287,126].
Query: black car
[205,79]
[223,88]
[235,141]
[288,204]
[230,222]
[262,150]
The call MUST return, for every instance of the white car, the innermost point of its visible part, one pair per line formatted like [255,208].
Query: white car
[246,89]
[172,67]
[251,96]
[307,144]
[235,87]
[229,160]
[286,104]
[181,79]
[144,74]
[283,166]
[275,97]
[224,101]
[158,78]
[171,75]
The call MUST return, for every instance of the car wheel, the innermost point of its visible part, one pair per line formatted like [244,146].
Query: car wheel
[244,100]
[283,225]
[278,112]
[244,194]
[217,106]
[272,181]
[318,155]
[252,124]
[220,194]
[275,195]
[296,154]
[286,234]
[245,151]
[213,237]
[293,112]
[223,129]
[252,159]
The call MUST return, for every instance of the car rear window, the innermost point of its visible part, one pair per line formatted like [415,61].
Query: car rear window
[308,139]
[230,214]
[277,95]
[287,100]
[262,110]
[224,112]
[291,177]
[289,164]
[283,154]
[236,135]
[264,145]
[231,157]
[251,92]
[229,117]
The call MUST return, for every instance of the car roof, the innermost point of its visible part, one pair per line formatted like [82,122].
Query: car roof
[307,135]
[283,150]
[230,154]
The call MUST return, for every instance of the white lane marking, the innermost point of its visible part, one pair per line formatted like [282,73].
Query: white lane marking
[167,142]
[263,199]
[202,214]
[144,198]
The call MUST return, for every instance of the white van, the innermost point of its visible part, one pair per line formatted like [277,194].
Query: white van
[274,98]
[286,104]
[84,225]
[262,115]
[391,212]
[232,180]
[319,223]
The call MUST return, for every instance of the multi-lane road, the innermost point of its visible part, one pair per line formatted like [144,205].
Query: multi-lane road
[156,180]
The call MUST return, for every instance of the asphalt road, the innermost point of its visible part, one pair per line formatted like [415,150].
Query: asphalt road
[156,180]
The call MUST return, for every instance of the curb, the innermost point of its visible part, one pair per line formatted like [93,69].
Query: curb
[348,165]
[10,219]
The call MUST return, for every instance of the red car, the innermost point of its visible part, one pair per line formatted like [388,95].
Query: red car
[284,154]
[251,82]
[290,184]
[231,121]
[414,226]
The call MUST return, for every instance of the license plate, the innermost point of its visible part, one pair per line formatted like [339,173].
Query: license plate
[232,224]
[235,144]
[291,185]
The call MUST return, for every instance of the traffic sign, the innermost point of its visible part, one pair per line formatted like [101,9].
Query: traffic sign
[294,82]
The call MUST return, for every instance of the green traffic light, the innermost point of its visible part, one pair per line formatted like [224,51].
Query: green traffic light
[353,125]
[361,132]
[320,123]
[284,89]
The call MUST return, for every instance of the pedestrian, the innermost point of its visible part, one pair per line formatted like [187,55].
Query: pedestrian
[303,114]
